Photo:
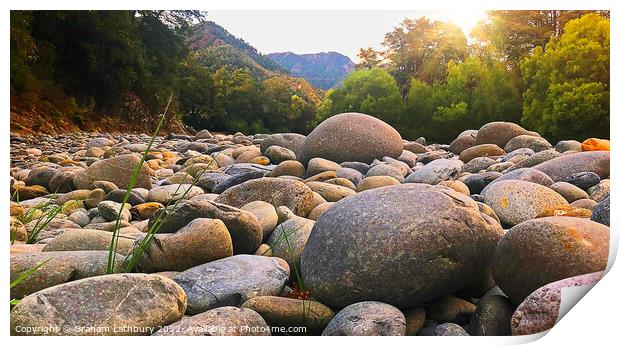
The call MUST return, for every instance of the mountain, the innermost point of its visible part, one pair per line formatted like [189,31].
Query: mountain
[214,47]
[323,70]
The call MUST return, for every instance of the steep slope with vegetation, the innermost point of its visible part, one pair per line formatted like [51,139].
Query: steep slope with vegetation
[323,70]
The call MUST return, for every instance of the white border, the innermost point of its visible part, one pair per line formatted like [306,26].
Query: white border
[592,321]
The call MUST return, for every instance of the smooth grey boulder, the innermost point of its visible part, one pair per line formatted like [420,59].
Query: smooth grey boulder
[492,316]
[525,174]
[561,168]
[368,318]
[291,141]
[436,171]
[224,321]
[403,245]
[231,281]
[117,304]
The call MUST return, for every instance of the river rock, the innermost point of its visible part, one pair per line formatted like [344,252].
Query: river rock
[112,210]
[231,281]
[117,170]
[450,309]
[515,201]
[540,310]
[291,141]
[224,321]
[88,239]
[536,143]
[481,150]
[118,304]
[200,241]
[275,191]
[367,318]
[286,312]
[352,253]
[499,133]
[537,252]
[245,230]
[569,191]
[561,168]
[171,193]
[492,316]
[59,267]
[436,171]
[584,180]
[265,214]
[352,137]
[289,239]
[601,212]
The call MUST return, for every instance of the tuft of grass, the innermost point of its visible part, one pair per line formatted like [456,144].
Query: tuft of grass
[23,276]
[133,259]
[42,222]
[132,183]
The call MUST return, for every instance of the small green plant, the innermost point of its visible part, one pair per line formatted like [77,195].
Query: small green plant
[23,276]
[48,214]
[132,183]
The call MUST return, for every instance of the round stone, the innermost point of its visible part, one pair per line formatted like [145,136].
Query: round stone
[584,180]
[103,305]
[275,191]
[536,143]
[569,191]
[537,252]
[286,312]
[601,212]
[232,281]
[561,168]
[355,251]
[265,214]
[481,150]
[367,318]
[224,321]
[352,137]
[499,133]
[515,201]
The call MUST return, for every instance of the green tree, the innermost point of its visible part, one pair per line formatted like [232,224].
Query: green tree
[422,49]
[567,84]
[371,91]
[474,93]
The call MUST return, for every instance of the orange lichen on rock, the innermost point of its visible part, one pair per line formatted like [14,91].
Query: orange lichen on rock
[565,210]
[595,144]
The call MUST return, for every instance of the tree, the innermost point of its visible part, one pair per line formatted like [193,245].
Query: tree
[422,49]
[372,92]
[474,93]
[567,84]
[369,58]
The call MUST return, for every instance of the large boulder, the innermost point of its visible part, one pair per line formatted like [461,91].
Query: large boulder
[118,304]
[403,245]
[540,251]
[276,191]
[515,201]
[232,280]
[563,167]
[55,268]
[352,137]
[117,170]
[499,133]
[541,309]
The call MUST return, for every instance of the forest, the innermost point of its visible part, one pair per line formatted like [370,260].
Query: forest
[547,70]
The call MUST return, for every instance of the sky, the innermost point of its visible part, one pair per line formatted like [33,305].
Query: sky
[324,31]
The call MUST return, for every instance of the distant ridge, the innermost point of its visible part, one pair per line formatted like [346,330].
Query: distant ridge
[323,70]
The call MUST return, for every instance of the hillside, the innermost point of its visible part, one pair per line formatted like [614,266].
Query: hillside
[214,47]
[323,70]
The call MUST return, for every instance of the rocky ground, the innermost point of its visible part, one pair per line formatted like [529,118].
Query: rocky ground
[349,231]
